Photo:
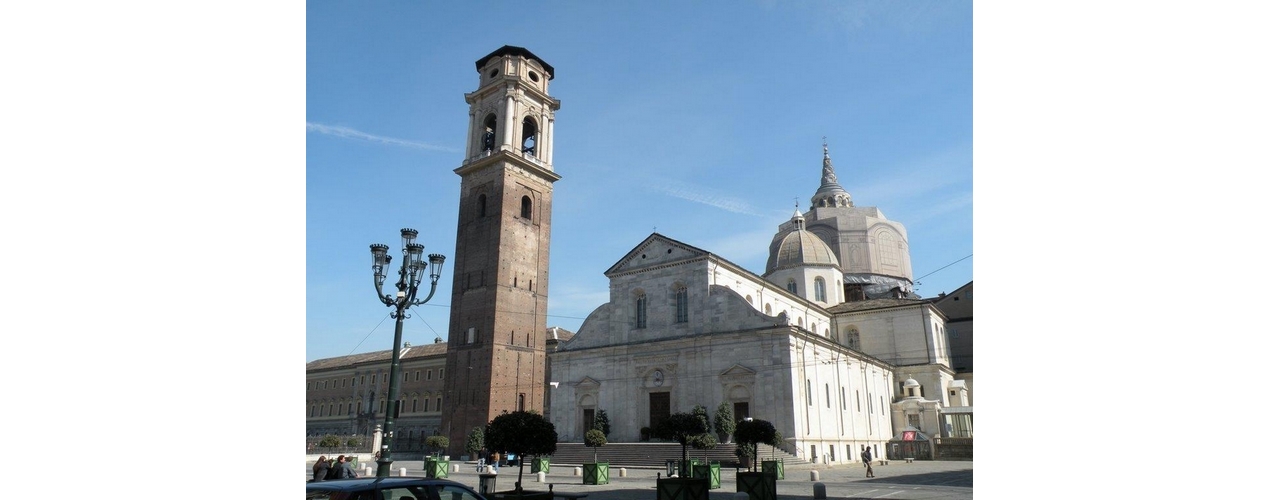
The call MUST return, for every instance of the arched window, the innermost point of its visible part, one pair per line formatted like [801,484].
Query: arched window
[682,304]
[526,207]
[642,306]
[482,206]
[529,136]
[888,246]
[768,310]
[819,290]
[791,285]
[489,137]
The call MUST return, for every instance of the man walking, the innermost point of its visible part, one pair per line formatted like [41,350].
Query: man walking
[866,460]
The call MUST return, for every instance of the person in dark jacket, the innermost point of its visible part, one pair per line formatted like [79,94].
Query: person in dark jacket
[335,469]
[345,469]
[320,471]
[866,460]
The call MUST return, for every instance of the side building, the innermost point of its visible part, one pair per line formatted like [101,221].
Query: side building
[346,395]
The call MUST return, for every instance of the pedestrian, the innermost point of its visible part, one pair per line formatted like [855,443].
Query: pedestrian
[345,469]
[320,471]
[480,464]
[866,460]
[335,469]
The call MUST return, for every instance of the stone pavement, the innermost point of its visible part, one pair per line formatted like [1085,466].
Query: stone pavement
[919,480]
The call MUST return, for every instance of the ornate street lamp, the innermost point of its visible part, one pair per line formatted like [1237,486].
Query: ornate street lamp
[412,270]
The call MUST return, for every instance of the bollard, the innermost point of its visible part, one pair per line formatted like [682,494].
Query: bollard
[368,471]
[403,472]
[542,477]
[622,472]
[577,471]
[819,491]
[489,469]
[813,475]
[455,467]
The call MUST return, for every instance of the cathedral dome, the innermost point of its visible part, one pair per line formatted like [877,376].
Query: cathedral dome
[803,248]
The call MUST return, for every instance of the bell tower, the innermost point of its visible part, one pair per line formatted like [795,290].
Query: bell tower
[496,359]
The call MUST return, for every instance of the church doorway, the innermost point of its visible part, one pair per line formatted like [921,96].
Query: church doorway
[588,420]
[740,411]
[659,407]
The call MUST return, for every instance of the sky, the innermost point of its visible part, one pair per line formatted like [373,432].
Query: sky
[702,121]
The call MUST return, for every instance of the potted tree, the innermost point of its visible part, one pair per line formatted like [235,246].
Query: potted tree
[771,465]
[724,422]
[758,485]
[475,442]
[708,470]
[522,433]
[596,472]
[683,428]
[433,464]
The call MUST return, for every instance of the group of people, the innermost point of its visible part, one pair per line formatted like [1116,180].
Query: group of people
[338,468]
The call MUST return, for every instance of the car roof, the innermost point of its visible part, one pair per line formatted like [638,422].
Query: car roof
[361,483]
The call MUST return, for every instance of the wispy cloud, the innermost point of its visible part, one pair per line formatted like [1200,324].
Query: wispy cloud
[350,133]
[727,203]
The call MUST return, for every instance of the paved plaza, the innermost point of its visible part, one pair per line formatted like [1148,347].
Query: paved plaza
[919,480]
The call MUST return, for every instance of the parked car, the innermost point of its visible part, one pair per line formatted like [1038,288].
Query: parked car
[390,488]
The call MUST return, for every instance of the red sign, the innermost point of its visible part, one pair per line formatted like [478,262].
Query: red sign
[908,435]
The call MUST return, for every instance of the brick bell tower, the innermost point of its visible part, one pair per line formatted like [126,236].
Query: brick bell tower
[496,358]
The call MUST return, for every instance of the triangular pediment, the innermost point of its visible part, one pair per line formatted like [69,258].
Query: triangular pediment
[587,382]
[738,371]
[656,250]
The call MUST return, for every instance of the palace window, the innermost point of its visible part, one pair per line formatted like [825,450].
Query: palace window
[526,208]
[819,290]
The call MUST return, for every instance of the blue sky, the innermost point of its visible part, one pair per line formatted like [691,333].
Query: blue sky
[702,120]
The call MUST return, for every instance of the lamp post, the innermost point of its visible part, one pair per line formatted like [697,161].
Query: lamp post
[412,270]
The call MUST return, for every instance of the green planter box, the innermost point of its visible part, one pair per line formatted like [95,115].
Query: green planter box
[436,468]
[683,489]
[540,465]
[774,466]
[686,467]
[710,472]
[758,485]
[597,473]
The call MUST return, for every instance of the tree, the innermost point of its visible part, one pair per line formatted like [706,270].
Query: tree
[522,433]
[353,442]
[475,441]
[753,432]
[437,443]
[595,438]
[602,422]
[724,420]
[330,441]
[705,442]
[701,412]
[682,428]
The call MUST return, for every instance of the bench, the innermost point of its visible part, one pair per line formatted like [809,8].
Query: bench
[910,459]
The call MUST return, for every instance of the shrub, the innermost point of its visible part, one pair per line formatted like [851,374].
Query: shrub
[595,438]
[682,428]
[330,441]
[724,420]
[752,433]
[475,441]
[438,444]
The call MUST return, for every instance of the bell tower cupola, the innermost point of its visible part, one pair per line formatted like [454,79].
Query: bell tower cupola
[511,110]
